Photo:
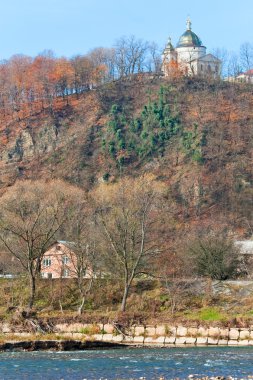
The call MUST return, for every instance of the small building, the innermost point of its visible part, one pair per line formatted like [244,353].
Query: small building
[246,77]
[189,57]
[60,261]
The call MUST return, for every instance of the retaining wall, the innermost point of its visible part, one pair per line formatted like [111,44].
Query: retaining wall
[163,335]
[159,335]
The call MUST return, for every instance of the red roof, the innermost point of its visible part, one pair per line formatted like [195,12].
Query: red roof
[249,72]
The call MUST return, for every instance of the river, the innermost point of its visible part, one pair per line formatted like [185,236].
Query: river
[127,363]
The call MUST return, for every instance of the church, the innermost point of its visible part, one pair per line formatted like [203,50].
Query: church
[189,57]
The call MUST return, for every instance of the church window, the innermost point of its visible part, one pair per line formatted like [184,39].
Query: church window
[209,68]
[201,67]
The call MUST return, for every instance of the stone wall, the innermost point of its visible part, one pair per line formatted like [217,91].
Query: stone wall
[161,335]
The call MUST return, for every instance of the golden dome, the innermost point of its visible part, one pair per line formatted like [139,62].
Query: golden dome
[189,38]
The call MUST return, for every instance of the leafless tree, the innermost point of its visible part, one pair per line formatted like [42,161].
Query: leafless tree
[31,215]
[214,256]
[154,60]
[234,67]
[223,55]
[126,216]
[81,231]
[104,56]
[130,55]
[246,56]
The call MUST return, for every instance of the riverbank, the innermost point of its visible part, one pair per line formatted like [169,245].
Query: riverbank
[87,336]
[55,345]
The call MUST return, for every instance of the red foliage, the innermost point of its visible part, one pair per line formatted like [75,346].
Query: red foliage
[29,85]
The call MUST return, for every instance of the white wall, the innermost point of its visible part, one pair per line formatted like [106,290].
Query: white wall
[186,54]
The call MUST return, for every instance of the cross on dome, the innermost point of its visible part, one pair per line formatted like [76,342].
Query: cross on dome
[189,24]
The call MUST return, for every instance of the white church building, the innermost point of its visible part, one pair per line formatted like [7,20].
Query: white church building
[189,57]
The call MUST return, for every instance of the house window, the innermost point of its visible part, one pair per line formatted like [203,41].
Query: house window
[65,273]
[65,260]
[47,262]
[46,275]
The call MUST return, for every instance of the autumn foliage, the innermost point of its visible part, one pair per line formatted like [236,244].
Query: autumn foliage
[28,85]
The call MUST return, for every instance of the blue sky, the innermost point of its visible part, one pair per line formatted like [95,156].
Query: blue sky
[69,27]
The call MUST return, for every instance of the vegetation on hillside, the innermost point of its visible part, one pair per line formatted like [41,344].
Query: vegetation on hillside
[153,164]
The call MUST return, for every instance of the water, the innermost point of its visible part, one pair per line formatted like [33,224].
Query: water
[125,364]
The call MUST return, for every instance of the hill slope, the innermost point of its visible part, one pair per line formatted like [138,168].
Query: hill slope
[194,135]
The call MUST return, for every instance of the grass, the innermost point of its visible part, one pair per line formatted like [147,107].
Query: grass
[147,304]
[91,330]
[33,337]
[209,314]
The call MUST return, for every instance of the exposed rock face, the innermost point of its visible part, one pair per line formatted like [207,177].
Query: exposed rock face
[47,139]
[29,143]
[21,147]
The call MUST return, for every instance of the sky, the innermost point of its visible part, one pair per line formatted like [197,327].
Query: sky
[70,27]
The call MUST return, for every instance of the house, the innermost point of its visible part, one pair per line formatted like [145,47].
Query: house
[60,261]
[189,57]
[246,77]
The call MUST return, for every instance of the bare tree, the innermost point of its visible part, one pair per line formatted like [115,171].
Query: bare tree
[126,213]
[81,231]
[223,55]
[246,56]
[104,56]
[214,256]
[234,67]
[154,60]
[130,55]
[31,215]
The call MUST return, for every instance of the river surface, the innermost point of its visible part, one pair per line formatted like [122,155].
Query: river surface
[125,364]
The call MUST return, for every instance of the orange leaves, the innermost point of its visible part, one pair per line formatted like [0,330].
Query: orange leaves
[61,71]
[28,84]
[173,69]
[99,73]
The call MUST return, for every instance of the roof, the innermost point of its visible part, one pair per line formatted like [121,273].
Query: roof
[189,38]
[249,72]
[67,244]
[209,58]
[169,47]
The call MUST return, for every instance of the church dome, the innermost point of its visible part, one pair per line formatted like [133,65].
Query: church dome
[189,38]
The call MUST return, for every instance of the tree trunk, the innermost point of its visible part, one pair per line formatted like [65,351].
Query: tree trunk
[80,309]
[32,291]
[124,299]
